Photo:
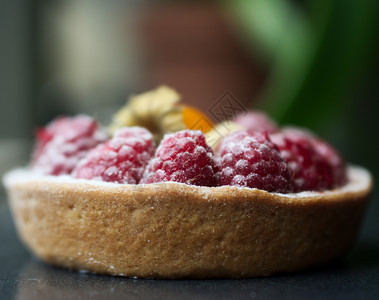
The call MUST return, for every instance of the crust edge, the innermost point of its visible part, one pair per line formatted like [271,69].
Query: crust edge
[173,230]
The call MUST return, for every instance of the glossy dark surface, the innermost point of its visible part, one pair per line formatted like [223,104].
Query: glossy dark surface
[22,276]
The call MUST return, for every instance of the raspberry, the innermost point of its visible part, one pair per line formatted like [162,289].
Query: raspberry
[256,121]
[62,143]
[334,159]
[250,159]
[121,159]
[314,163]
[183,157]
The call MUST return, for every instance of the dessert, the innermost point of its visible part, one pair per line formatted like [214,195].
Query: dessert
[259,203]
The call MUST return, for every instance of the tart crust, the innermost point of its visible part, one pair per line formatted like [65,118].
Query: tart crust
[173,230]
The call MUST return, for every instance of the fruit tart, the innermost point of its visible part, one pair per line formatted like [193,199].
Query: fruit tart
[153,197]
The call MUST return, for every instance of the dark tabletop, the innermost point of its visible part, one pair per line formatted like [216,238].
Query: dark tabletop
[22,276]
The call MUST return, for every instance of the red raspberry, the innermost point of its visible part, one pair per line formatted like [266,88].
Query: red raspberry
[325,152]
[62,143]
[315,164]
[183,157]
[251,160]
[334,159]
[256,121]
[121,159]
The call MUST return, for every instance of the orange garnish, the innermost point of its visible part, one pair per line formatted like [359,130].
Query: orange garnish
[195,120]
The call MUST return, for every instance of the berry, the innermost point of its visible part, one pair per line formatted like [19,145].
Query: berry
[183,157]
[250,159]
[325,152]
[334,159]
[62,143]
[256,121]
[121,159]
[315,164]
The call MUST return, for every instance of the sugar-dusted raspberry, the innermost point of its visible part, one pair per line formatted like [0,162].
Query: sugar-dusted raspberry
[256,121]
[183,157]
[62,143]
[121,159]
[334,173]
[334,159]
[250,159]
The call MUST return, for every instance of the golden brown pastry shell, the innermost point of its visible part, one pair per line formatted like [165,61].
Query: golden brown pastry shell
[172,230]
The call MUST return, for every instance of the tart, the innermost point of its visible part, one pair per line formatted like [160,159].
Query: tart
[239,199]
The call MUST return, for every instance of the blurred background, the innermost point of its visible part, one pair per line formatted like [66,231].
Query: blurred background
[309,63]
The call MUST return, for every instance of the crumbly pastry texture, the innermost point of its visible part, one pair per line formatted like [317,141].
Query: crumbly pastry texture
[173,230]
